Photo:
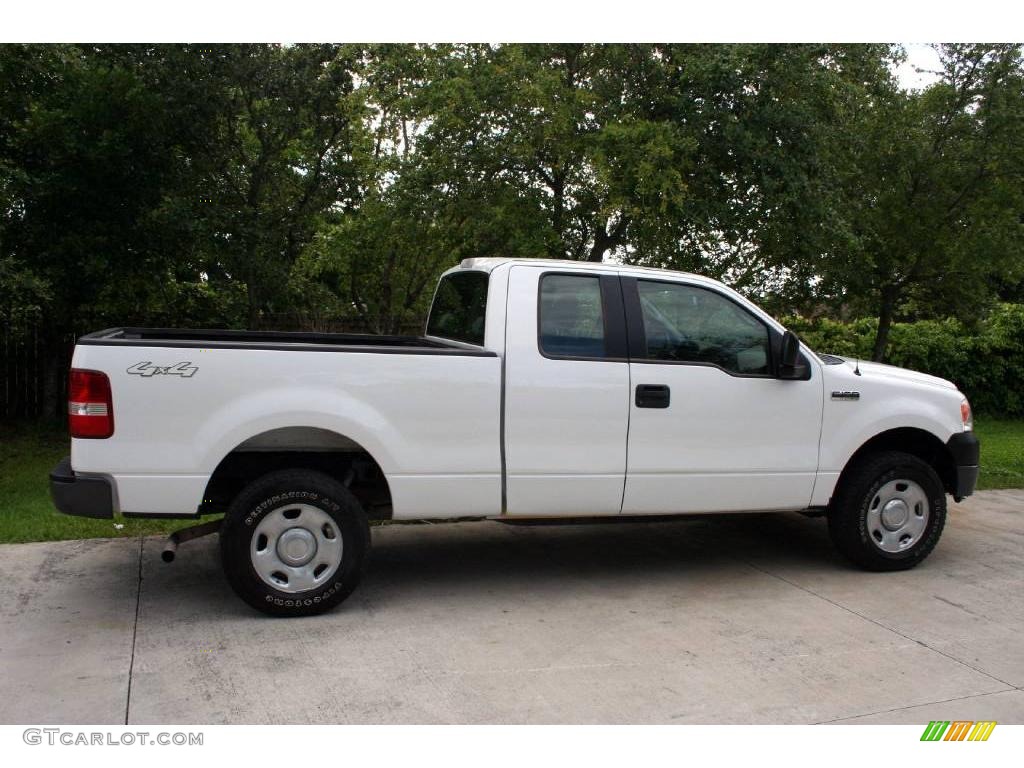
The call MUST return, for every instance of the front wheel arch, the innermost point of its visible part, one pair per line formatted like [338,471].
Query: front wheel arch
[917,442]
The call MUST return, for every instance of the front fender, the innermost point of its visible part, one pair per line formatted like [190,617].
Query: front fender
[881,406]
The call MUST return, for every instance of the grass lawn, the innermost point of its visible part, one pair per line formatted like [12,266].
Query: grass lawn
[1002,453]
[28,454]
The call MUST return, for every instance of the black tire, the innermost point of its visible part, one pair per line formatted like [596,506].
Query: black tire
[269,494]
[848,513]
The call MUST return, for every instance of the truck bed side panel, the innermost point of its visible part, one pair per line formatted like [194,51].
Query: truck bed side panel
[430,421]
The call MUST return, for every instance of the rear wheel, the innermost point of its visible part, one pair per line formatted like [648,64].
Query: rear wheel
[294,543]
[889,512]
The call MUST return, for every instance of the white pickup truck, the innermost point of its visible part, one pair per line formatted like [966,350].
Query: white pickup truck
[540,389]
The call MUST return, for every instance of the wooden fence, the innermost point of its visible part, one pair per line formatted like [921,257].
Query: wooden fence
[33,375]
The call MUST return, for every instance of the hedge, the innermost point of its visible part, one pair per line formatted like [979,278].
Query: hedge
[986,361]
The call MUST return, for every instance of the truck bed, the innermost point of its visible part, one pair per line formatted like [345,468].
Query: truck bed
[279,340]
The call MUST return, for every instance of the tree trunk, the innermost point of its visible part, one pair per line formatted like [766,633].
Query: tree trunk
[605,239]
[252,288]
[886,309]
[558,209]
[602,242]
[254,309]
[599,248]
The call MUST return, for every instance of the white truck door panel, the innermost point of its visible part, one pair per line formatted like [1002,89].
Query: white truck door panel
[566,409]
[732,437]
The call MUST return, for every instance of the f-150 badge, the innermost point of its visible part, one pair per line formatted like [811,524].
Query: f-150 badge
[147,368]
[846,395]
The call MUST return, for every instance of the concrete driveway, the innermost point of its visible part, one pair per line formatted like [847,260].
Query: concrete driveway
[745,619]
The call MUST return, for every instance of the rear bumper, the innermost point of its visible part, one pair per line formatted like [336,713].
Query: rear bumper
[965,450]
[79,495]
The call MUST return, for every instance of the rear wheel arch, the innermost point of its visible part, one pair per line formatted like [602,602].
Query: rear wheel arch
[300,448]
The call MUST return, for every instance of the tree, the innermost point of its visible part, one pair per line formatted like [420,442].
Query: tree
[85,164]
[89,164]
[932,192]
[380,257]
[266,135]
[223,185]
[555,141]
[688,156]
[707,158]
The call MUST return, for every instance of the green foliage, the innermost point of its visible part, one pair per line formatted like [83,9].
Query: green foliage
[87,164]
[1002,453]
[22,297]
[27,455]
[928,192]
[230,185]
[985,361]
[269,133]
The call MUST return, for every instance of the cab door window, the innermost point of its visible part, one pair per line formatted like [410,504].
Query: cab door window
[689,324]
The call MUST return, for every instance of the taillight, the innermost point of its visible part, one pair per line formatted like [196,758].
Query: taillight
[90,408]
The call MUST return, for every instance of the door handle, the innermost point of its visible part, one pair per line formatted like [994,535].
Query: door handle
[652,396]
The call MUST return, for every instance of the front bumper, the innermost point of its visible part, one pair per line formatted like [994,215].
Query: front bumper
[79,495]
[966,451]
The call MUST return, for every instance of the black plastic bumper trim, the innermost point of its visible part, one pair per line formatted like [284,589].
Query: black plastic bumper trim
[965,449]
[966,479]
[80,496]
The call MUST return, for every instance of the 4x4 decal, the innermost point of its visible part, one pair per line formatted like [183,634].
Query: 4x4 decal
[147,368]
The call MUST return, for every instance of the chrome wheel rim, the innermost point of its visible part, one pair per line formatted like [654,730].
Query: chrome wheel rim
[296,548]
[898,516]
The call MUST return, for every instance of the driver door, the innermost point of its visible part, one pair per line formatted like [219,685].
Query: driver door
[711,429]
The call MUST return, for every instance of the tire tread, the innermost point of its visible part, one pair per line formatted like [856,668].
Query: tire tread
[847,510]
[234,540]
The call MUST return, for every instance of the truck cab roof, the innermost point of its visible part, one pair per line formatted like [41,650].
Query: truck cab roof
[490,263]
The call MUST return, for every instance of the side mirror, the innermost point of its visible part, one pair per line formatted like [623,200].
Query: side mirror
[790,364]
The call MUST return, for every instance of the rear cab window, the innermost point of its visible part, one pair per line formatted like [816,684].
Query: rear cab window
[571,317]
[459,311]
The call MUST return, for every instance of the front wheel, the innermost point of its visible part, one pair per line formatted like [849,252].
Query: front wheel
[294,543]
[889,512]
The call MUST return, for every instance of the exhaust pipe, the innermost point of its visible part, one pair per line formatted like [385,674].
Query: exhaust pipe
[187,534]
